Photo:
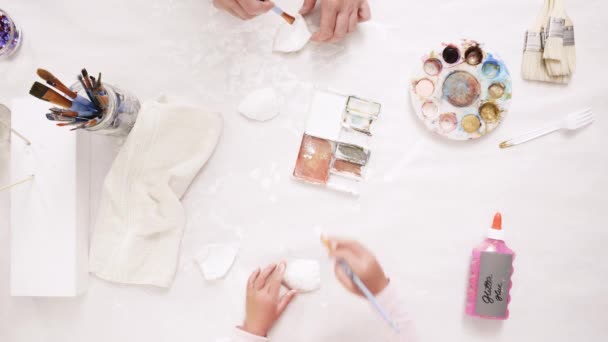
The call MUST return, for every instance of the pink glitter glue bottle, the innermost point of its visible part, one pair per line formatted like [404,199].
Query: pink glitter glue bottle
[490,280]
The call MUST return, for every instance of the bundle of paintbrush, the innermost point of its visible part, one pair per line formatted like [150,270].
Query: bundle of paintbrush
[549,50]
[75,110]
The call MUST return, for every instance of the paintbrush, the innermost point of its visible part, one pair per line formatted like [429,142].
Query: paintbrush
[288,18]
[56,83]
[87,81]
[72,113]
[92,123]
[65,124]
[45,93]
[86,84]
[361,286]
[60,117]
[64,112]
[83,125]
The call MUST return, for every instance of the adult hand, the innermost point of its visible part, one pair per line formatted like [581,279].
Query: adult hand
[244,9]
[338,17]
[264,303]
[362,262]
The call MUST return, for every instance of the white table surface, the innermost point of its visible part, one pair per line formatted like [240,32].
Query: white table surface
[425,205]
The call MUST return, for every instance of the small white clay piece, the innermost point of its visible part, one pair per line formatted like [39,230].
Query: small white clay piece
[302,275]
[292,38]
[260,105]
[216,260]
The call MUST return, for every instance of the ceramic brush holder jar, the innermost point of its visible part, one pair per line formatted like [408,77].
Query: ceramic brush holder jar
[118,118]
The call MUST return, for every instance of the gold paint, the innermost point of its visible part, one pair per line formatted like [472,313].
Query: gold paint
[489,112]
[496,90]
[470,123]
[505,144]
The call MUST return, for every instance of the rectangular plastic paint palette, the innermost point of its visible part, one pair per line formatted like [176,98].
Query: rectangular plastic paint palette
[333,151]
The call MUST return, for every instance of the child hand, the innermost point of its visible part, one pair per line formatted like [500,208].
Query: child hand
[338,17]
[362,262]
[244,9]
[264,304]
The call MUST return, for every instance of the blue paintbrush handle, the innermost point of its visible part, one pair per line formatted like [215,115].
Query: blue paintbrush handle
[277,10]
[367,293]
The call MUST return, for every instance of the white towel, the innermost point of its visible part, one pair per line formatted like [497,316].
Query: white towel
[141,220]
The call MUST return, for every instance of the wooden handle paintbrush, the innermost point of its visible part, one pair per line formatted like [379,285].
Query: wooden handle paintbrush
[288,18]
[55,82]
[45,93]
[60,117]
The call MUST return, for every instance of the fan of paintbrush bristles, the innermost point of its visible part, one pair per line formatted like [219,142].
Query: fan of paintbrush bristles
[75,110]
[549,50]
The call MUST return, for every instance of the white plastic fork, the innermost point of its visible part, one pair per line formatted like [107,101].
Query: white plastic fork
[571,122]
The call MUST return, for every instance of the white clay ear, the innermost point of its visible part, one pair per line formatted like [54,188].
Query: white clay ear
[302,275]
[292,38]
[216,260]
[260,105]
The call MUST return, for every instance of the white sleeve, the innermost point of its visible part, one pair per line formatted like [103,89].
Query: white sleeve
[393,303]
[239,335]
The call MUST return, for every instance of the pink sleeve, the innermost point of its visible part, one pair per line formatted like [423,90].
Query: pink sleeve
[393,303]
[239,335]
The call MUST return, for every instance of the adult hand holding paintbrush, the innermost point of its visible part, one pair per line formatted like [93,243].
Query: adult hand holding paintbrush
[338,17]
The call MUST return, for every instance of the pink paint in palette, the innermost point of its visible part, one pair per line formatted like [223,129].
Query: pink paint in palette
[334,151]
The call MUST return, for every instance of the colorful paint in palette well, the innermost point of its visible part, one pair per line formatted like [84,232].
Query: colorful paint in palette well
[358,123]
[425,87]
[490,69]
[471,123]
[461,91]
[489,112]
[352,153]
[496,90]
[314,159]
[361,107]
[432,67]
[345,168]
[461,88]
[430,109]
[451,54]
[332,155]
[448,122]
[473,55]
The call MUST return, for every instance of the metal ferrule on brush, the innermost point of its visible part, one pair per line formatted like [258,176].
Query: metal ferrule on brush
[555,27]
[569,36]
[533,41]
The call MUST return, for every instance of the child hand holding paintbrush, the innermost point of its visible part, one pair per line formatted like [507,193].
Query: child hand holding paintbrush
[358,271]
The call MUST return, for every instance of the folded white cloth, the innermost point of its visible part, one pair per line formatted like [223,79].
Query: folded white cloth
[140,221]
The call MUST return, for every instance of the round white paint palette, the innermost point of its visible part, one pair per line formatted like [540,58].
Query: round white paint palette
[461,91]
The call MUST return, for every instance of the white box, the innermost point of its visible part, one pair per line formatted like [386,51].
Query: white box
[50,215]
